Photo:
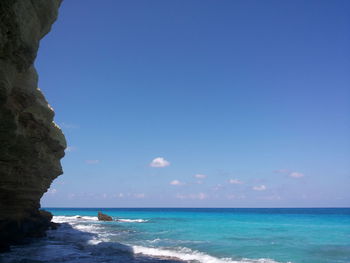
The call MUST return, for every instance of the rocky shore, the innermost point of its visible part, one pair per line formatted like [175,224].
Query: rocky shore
[31,143]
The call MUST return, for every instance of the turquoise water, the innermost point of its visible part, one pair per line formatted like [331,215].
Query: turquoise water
[219,235]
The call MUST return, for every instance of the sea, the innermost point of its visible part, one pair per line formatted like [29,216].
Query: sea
[213,235]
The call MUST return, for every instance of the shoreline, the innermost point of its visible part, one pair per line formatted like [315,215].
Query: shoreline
[215,237]
[33,246]
[78,239]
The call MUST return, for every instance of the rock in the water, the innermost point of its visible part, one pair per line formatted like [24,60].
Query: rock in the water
[104,217]
[31,144]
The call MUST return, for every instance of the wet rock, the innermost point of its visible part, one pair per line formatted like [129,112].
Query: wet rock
[104,217]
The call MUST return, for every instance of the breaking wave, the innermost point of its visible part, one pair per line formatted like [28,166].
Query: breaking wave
[85,239]
[131,220]
[187,254]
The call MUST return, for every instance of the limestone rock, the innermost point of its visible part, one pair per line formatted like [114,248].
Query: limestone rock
[31,144]
[104,217]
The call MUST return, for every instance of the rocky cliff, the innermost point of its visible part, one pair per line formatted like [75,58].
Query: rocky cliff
[31,145]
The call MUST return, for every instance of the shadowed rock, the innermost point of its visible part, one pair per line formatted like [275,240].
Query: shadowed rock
[87,251]
[104,217]
[31,144]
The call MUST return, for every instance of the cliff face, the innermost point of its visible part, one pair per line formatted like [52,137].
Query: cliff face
[31,145]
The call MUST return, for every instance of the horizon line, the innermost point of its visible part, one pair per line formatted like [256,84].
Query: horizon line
[109,207]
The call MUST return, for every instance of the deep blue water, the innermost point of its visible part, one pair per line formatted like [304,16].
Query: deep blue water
[299,235]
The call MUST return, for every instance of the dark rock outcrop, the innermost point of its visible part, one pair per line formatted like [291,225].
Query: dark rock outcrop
[104,217]
[31,144]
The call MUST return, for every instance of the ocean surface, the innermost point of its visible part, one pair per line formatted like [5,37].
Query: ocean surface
[318,235]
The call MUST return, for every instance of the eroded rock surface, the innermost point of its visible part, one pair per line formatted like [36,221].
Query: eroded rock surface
[104,217]
[31,144]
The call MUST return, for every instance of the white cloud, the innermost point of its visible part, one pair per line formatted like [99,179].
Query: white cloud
[159,162]
[202,196]
[140,195]
[200,176]
[235,181]
[52,191]
[199,196]
[176,182]
[92,161]
[259,188]
[70,149]
[296,174]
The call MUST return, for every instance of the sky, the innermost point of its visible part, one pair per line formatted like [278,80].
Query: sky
[197,103]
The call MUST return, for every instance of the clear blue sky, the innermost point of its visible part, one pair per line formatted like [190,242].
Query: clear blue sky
[244,103]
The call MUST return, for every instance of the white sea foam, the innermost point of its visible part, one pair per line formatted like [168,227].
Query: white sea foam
[175,241]
[132,220]
[92,218]
[72,219]
[187,254]
[183,253]
[83,239]
[155,240]
[88,228]
[77,218]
